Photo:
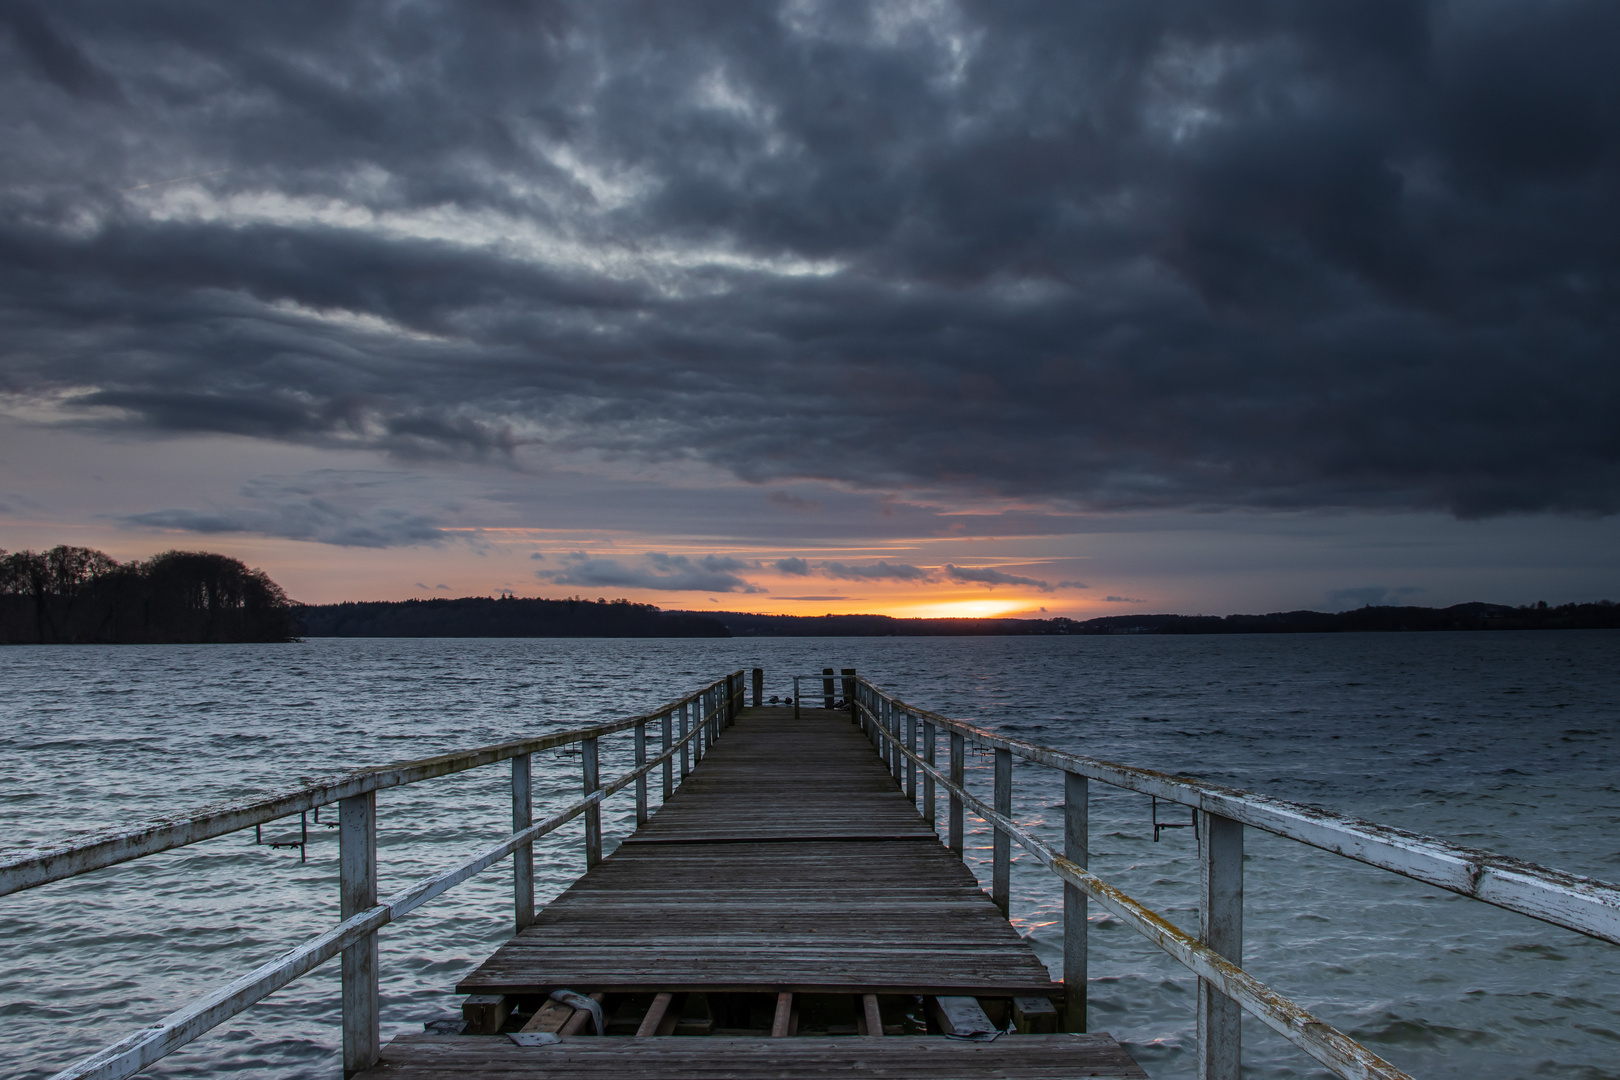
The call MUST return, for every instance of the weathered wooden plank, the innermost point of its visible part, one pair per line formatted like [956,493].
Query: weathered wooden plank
[746,882]
[1031,1057]
[655,1015]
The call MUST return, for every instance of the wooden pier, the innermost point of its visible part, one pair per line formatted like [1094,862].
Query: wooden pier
[787,900]
[791,907]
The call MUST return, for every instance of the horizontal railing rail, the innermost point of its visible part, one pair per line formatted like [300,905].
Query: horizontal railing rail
[1586,905]
[1577,903]
[703,715]
[37,866]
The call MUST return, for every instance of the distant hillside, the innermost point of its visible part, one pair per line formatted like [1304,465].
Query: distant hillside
[482,616]
[1602,615]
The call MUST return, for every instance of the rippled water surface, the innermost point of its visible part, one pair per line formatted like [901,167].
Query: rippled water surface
[1504,741]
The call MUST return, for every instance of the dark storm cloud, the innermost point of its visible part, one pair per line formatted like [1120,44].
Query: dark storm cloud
[990,577]
[881,570]
[1210,255]
[674,573]
[347,509]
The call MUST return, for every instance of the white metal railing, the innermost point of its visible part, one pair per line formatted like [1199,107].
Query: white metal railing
[700,717]
[1585,905]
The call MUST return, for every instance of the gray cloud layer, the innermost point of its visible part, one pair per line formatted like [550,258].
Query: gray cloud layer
[1197,254]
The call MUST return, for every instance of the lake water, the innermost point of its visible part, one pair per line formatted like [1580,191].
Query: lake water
[1504,741]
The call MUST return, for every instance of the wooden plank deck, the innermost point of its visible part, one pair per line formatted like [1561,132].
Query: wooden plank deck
[1024,1057]
[788,863]
[765,872]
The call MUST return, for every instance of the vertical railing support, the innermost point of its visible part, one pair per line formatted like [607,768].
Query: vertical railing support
[642,816]
[896,758]
[669,763]
[593,813]
[523,857]
[1220,926]
[686,747]
[928,777]
[759,686]
[795,697]
[959,778]
[850,691]
[357,876]
[1077,849]
[1001,845]
[911,766]
[827,687]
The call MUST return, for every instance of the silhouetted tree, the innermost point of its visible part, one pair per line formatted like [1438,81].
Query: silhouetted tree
[75,594]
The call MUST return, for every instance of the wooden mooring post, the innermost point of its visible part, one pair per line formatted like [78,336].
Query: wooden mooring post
[523,857]
[1220,926]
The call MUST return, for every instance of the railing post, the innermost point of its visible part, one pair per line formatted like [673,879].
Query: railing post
[357,877]
[523,857]
[1001,873]
[928,777]
[826,687]
[911,766]
[642,816]
[593,813]
[1220,926]
[896,758]
[1077,849]
[850,691]
[759,686]
[959,778]
[669,763]
[795,697]
[686,747]
[700,724]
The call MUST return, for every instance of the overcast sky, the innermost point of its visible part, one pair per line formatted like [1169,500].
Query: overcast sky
[912,307]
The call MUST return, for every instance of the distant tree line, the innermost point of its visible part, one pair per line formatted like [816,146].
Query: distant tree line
[1602,615]
[507,616]
[79,595]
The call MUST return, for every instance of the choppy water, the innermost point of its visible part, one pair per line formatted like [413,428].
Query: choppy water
[1504,741]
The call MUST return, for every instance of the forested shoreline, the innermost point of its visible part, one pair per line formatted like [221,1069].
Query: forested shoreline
[76,595]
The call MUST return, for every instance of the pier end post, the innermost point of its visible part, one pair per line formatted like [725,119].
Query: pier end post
[357,877]
[759,686]
[593,813]
[928,777]
[1077,849]
[1220,926]
[850,690]
[642,816]
[911,766]
[958,777]
[686,747]
[669,763]
[1001,872]
[523,857]
[826,688]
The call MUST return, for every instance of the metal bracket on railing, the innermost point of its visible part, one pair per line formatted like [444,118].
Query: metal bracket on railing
[1157,824]
[303,835]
